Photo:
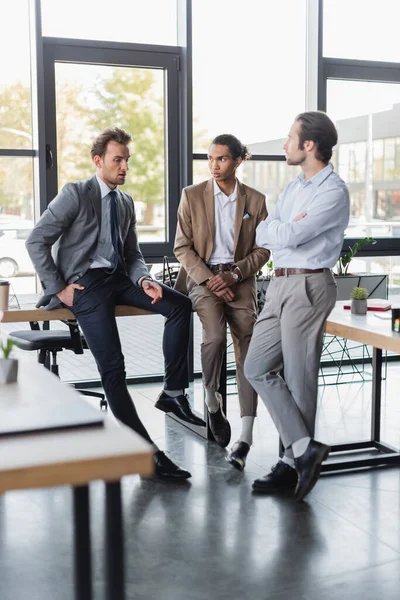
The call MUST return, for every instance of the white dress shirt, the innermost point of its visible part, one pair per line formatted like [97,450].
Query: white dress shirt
[315,241]
[224,211]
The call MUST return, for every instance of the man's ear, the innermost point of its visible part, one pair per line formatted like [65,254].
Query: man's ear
[309,145]
[97,160]
[238,162]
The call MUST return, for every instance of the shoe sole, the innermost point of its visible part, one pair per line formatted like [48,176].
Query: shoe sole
[273,491]
[314,478]
[171,478]
[235,463]
[169,410]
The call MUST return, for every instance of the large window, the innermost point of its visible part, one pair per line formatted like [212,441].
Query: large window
[16,148]
[135,21]
[91,97]
[367,116]
[249,62]
[360,29]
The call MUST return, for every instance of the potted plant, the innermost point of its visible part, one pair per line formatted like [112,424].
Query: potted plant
[8,366]
[343,262]
[359,297]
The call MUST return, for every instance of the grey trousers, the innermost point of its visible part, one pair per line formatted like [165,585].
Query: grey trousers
[283,359]
[241,315]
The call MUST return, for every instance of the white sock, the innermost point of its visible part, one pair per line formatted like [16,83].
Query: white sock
[212,400]
[247,430]
[288,461]
[173,393]
[300,446]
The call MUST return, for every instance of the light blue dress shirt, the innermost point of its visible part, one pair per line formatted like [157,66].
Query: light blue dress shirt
[104,251]
[315,241]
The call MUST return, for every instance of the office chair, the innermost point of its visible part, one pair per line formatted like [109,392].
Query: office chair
[49,342]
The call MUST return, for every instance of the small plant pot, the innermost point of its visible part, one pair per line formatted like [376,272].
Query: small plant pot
[8,370]
[359,307]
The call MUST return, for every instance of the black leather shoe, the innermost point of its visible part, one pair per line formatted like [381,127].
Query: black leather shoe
[308,467]
[165,469]
[237,457]
[282,478]
[180,407]
[220,427]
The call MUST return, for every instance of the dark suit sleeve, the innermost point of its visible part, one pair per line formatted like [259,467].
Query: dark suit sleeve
[58,217]
[258,257]
[134,260]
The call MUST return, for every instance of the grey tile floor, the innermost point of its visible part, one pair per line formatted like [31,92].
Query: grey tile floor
[211,538]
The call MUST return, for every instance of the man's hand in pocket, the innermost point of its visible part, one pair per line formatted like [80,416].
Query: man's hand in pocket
[67,294]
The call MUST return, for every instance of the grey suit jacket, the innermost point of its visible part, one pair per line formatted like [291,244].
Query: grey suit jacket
[64,240]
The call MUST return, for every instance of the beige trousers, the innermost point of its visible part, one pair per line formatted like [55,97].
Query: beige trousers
[240,315]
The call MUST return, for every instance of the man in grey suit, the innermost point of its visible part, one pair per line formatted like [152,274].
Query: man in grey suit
[305,233]
[97,263]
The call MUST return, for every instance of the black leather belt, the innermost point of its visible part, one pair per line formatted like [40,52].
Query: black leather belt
[221,267]
[285,272]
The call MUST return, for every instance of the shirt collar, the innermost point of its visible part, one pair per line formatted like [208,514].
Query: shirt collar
[104,189]
[318,178]
[217,190]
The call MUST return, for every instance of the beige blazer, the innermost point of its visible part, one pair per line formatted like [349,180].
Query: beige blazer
[195,232]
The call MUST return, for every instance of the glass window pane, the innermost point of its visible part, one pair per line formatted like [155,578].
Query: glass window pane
[249,81]
[16,221]
[133,21]
[367,116]
[381,265]
[362,30]
[269,177]
[90,98]
[15,81]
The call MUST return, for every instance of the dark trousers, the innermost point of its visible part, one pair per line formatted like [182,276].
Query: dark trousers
[94,309]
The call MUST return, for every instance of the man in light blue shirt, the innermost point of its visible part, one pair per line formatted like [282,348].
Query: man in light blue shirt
[305,231]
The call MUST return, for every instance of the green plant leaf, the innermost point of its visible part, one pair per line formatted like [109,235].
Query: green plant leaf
[7,347]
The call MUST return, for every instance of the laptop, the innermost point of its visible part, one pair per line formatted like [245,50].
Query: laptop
[54,416]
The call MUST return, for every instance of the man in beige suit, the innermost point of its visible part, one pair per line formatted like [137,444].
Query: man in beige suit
[215,245]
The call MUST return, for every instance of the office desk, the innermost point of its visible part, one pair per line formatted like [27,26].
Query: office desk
[74,457]
[36,315]
[376,332]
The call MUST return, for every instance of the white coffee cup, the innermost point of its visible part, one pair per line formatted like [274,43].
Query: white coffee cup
[4,294]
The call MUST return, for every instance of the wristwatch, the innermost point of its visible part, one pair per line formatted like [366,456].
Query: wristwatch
[236,274]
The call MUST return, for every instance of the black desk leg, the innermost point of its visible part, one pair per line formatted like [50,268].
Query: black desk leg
[82,554]
[114,551]
[376,395]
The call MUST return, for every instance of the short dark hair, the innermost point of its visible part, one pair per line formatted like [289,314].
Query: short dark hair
[317,127]
[111,134]
[236,148]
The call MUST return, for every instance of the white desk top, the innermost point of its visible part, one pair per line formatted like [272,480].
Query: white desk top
[367,329]
[69,457]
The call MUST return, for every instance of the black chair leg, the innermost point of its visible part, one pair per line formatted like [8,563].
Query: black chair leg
[103,401]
